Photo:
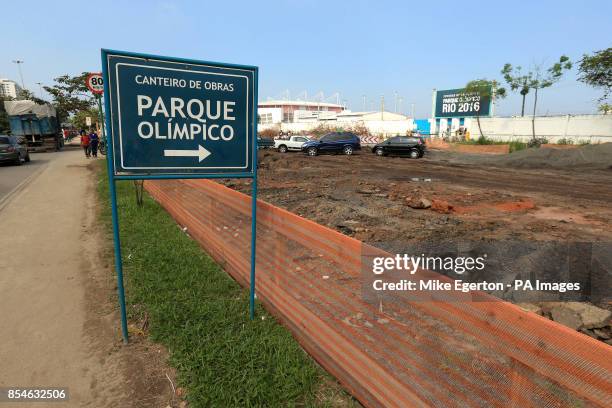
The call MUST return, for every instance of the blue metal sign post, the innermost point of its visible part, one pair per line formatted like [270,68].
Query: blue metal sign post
[172,118]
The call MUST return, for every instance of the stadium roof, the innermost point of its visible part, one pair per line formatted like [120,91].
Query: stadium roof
[298,103]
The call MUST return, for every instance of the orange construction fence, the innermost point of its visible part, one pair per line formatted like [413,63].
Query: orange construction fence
[405,354]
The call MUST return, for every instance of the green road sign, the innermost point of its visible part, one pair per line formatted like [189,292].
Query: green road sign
[173,116]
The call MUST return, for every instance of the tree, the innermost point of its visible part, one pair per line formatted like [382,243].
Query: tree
[605,108]
[517,80]
[4,121]
[79,121]
[535,79]
[596,71]
[25,94]
[487,89]
[70,95]
[546,79]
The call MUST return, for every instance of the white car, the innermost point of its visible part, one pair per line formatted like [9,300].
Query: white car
[293,143]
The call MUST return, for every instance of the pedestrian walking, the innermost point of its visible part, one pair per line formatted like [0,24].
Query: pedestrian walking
[85,142]
[93,144]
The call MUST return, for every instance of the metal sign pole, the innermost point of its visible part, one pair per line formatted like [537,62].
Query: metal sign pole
[115,216]
[253,214]
[254,205]
[99,98]
[118,261]
[253,241]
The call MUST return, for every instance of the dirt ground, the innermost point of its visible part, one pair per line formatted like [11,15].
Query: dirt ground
[376,199]
[394,202]
[60,326]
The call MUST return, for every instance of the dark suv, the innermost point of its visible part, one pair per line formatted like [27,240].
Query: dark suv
[13,149]
[401,145]
[335,142]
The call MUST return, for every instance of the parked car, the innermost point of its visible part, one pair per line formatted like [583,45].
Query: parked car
[293,143]
[334,142]
[13,149]
[264,143]
[401,145]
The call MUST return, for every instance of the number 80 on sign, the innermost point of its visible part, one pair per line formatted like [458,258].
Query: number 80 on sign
[95,83]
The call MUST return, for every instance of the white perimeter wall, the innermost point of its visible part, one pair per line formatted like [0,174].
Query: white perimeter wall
[593,128]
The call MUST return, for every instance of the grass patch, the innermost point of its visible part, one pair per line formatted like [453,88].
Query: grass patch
[515,145]
[201,316]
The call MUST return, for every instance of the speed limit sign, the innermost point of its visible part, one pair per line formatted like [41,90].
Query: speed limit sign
[95,83]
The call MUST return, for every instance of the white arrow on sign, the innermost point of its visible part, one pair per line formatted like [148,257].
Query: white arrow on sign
[201,153]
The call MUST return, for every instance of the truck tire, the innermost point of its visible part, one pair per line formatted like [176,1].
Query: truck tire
[415,154]
[282,149]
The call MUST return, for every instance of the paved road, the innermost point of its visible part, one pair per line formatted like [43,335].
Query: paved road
[12,176]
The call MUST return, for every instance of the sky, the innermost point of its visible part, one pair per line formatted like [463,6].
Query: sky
[356,48]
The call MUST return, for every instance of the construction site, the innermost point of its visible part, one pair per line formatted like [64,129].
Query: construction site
[317,218]
[225,204]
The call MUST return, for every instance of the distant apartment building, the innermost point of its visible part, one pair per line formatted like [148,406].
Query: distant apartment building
[9,88]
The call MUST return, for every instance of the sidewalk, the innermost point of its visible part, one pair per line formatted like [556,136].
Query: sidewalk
[53,333]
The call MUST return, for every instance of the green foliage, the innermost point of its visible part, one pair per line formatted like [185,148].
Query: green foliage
[78,119]
[553,74]
[518,81]
[605,108]
[536,78]
[515,145]
[565,141]
[596,70]
[483,140]
[486,88]
[200,315]
[29,95]
[70,95]
[4,122]
[537,142]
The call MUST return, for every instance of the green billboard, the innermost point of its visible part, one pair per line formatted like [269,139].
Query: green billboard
[455,103]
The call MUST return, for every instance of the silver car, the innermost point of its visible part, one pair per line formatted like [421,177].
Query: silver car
[13,149]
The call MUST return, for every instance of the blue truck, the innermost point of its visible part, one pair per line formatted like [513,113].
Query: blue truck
[37,123]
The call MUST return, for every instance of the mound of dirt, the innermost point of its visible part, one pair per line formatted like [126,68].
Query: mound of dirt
[593,156]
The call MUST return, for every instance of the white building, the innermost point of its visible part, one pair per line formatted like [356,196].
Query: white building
[9,88]
[302,116]
[282,111]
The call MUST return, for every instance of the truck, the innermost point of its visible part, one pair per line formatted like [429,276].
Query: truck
[292,143]
[36,123]
[264,143]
